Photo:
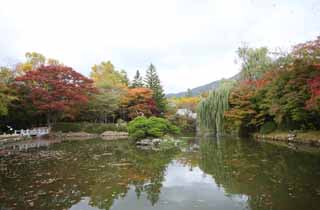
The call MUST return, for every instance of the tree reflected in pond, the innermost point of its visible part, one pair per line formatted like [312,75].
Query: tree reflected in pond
[103,171]
[272,177]
[225,174]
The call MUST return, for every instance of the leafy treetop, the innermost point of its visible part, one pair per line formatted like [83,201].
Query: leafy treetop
[56,90]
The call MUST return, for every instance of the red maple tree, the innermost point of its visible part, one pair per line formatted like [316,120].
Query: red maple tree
[56,90]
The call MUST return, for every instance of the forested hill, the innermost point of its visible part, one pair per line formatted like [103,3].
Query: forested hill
[201,89]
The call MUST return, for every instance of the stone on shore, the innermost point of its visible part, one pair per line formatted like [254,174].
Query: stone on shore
[114,135]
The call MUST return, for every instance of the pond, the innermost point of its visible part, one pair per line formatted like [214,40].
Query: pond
[222,174]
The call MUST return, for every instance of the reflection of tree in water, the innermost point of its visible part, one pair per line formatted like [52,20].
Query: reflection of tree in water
[151,165]
[188,159]
[272,177]
[102,171]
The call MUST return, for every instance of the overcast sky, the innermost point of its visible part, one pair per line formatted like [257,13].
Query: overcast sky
[191,42]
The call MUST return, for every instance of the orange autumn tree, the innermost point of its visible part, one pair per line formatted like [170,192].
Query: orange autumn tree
[138,102]
[247,103]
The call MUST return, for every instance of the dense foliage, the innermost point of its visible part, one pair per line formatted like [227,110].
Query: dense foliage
[154,127]
[186,121]
[275,91]
[187,102]
[314,102]
[106,76]
[5,92]
[97,128]
[211,109]
[279,92]
[55,90]
[139,102]
[254,62]
[43,91]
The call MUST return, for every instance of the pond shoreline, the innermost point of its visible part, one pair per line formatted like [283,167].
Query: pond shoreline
[10,139]
[107,135]
[307,138]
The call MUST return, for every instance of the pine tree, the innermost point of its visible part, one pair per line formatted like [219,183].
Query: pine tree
[152,81]
[137,80]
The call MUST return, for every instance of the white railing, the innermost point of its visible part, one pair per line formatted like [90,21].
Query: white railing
[33,132]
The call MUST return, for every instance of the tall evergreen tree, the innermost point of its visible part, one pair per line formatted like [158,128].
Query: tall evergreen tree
[137,80]
[152,81]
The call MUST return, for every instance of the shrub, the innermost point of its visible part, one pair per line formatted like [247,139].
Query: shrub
[67,127]
[187,125]
[100,128]
[88,127]
[142,127]
[138,134]
[268,127]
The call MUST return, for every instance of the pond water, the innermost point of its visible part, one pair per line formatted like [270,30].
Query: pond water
[222,174]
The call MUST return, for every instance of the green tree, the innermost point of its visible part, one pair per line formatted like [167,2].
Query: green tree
[4,101]
[6,94]
[152,81]
[254,62]
[112,84]
[287,95]
[137,80]
[7,75]
[211,109]
[102,106]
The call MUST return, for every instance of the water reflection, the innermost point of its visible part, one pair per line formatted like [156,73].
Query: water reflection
[272,177]
[184,189]
[70,171]
[214,174]
[16,147]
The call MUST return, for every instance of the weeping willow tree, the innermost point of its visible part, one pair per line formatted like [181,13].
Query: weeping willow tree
[211,109]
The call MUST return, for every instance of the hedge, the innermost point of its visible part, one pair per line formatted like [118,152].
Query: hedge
[97,128]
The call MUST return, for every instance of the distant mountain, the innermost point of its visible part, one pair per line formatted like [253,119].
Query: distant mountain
[201,89]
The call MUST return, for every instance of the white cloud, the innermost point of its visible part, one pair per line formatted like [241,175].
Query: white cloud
[190,42]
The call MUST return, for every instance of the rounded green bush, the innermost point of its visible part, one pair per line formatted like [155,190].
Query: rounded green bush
[142,127]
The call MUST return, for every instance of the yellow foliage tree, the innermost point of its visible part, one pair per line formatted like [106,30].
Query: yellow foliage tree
[104,75]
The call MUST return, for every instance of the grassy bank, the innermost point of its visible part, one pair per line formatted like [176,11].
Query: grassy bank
[306,137]
[95,128]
